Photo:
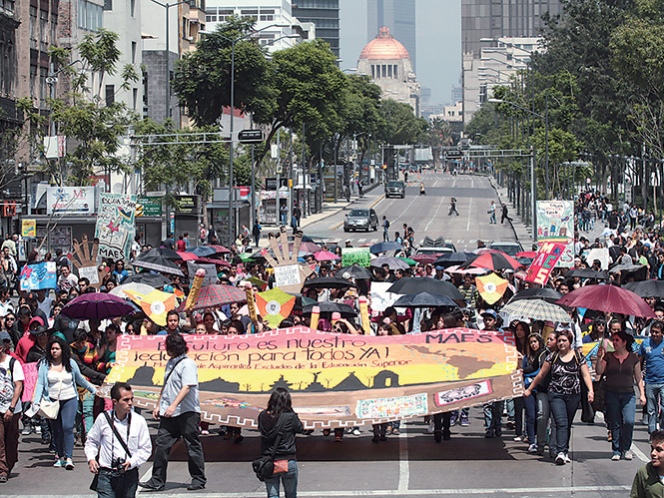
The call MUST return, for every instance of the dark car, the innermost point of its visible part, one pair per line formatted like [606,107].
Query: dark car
[395,188]
[361,219]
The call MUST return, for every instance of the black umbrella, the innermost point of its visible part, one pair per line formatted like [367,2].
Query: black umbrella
[384,247]
[328,283]
[413,285]
[424,300]
[353,271]
[152,279]
[329,307]
[161,251]
[453,258]
[588,273]
[546,294]
[647,288]
[158,263]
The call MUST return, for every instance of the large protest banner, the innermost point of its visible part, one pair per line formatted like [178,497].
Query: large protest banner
[548,254]
[115,225]
[355,256]
[38,276]
[555,219]
[336,380]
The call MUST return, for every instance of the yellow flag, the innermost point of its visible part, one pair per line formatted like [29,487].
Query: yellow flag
[491,287]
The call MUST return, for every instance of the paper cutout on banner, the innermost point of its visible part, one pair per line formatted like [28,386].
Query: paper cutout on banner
[274,306]
[601,254]
[155,304]
[491,287]
[30,372]
[115,225]
[38,276]
[336,380]
[548,254]
[355,255]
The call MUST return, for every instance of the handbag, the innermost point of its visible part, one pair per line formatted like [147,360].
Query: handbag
[49,409]
[599,388]
[264,465]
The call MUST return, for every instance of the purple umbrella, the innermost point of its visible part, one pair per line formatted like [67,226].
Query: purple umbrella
[97,306]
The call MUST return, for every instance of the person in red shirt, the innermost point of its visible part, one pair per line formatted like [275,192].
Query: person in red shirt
[181,244]
[28,340]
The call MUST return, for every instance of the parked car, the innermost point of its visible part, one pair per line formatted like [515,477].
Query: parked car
[361,219]
[509,247]
[435,246]
[395,188]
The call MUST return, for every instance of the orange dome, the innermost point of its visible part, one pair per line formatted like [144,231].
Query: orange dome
[384,47]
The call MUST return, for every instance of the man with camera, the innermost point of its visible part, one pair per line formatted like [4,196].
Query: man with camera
[117,444]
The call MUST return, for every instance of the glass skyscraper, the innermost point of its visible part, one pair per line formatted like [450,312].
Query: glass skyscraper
[325,15]
[399,16]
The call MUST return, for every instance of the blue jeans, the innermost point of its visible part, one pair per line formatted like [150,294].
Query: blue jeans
[620,414]
[655,405]
[289,479]
[492,415]
[563,407]
[543,416]
[530,404]
[63,428]
[87,411]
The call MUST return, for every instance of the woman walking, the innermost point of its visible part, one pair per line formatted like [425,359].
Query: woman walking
[531,367]
[57,379]
[621,369]
[280,422]
[567,366]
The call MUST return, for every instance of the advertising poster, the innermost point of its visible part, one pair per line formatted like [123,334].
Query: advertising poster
[335,380]
[115,225]
[555,220]
[28,229]
[70,200]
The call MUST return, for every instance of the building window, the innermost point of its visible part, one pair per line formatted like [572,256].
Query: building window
[396,72]
[133,8]
[389,71]
[108,4]
[252,13]
[266,15]
[133,52]
[135,96]
[110,95]
[373,72]
[89,15]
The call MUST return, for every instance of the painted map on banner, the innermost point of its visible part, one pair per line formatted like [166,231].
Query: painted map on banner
[336,380]
[555,219]
[115,225]
[38,276]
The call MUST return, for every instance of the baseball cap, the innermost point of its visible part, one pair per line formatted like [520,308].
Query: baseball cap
[4,336]
[490,313]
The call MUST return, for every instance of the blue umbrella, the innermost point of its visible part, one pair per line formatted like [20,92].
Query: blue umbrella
[384,247]
[204,251]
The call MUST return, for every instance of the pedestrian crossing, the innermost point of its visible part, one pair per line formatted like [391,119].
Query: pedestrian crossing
[460,244]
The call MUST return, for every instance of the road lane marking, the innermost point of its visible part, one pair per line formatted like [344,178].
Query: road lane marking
[640,454]
[470,205]
[435,214]
[404,464]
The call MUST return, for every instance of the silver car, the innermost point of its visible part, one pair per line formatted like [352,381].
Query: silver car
[361,219]
[395,189]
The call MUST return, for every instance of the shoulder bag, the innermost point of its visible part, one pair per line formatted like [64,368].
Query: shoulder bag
[95,480]
[49,409]
[264,465]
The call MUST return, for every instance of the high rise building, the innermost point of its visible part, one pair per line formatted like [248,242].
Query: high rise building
[399,17]
[324,14]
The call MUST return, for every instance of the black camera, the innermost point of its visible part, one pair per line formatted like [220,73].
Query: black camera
[117,464]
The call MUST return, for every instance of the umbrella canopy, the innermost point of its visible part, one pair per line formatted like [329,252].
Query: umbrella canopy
[536,309]
[329,307]
[325,256]
[466,271]
[155,304]
[494,261]
[384,247]
[588,273]
[526,254]
[187,256]
[424,300]
[152,279]
[354,271]
[119,291]
[425,258]
[453,258]
[210,261]
[162,251]
[307,247]
[217,295]
[328,283]
[638,272]
[549,295]
[607,298]
[647,288]
[158,263]
[415,285]
[408,261]
[392,263]
[98,306]
[205,251]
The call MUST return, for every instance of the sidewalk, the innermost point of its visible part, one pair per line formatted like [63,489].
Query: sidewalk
[522,232]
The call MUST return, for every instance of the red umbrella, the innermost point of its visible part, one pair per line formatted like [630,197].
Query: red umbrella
[607,298]
[425,259]
[526,254]
[218,262]
[493,260]
[212,296]
[219,249]
[325,256]
[187,256]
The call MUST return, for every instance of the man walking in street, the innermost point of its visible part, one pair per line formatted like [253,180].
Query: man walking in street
[492,213]
[179,413]
[503,215]
[453,208]
[386,229]
[11,387]
[117,445]
[651,353]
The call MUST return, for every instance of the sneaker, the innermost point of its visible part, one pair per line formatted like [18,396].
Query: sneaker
[375,439]
[560,458]
[616,457]
[27,430]
[453,418]
[395,432]
[519,439]
[326,432]
[205,433]
[464,420]
[3,478]
[628,455]
[488,434]
[59,463]
[356,431]
[430,429]
[38,429]
[69,464]
[567,458]
[533,449]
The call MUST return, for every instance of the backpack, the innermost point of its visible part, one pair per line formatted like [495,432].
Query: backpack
[7,385]
[386,223]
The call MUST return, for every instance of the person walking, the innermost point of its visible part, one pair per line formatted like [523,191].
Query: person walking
[651,353]
[178,411]
[567,367]
[453,208]
[492,213]
[278,425]
[117,445]
[504,214]
[58,376]
[256,232]
[386,229]
[422,190]
[11,387]
[621,369]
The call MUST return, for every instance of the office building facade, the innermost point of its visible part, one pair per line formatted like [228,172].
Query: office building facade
[399,17]
[324,14]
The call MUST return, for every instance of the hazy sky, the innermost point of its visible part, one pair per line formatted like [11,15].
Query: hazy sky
[438,42]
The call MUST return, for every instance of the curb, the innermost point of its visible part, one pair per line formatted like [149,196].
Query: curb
[516,235]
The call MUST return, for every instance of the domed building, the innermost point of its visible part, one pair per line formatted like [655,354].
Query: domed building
[388,64]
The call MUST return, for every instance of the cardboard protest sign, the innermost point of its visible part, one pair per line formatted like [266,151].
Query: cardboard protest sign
[548,254]
[38,276]
[210,272]
[555,220]
[85,261]
[115,225]
[355,255]
[289,273]
[336,380]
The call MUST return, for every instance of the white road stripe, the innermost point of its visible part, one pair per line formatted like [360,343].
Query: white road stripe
[470,205]
[640,454]
[404,464]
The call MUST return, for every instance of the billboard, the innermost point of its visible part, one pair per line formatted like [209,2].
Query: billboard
[70,200]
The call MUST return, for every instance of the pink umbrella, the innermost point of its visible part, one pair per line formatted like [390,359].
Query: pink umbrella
[187,256]
[325,256]
[608,298]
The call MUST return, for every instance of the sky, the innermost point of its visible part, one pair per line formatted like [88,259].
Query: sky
[438,42]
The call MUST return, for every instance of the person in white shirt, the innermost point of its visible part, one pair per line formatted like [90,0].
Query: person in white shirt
[107,457]
[11,386]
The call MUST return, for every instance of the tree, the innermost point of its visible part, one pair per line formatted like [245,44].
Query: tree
[401,126]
